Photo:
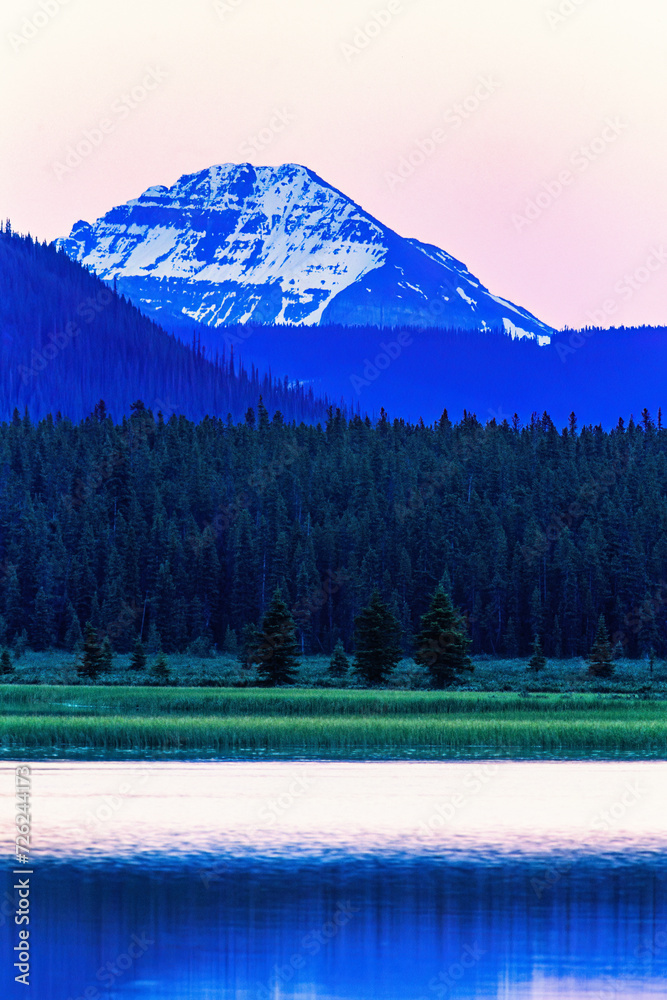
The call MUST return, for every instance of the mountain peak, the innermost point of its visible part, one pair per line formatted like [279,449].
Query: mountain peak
[223,183]
[277,244]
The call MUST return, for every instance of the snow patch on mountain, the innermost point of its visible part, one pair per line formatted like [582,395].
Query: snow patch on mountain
[237,243]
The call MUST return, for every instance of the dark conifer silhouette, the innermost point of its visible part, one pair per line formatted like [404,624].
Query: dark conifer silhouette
[600,661]
[339,664]
[91,664]
[159,672]
[538,660]
[138,658]
[442,643]
[276,655]
[376,642]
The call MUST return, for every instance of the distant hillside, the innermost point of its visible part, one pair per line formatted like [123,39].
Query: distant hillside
[67,341]
[601,375]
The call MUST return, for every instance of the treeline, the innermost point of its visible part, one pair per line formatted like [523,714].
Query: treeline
[68,340]
[180,533]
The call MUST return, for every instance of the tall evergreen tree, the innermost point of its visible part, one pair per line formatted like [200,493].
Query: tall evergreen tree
[13,605]
[230,643]
[106,656]
[250,646]
[91,665]
[442,644]
[376,642]
[138,658]
[538,660]
[42,634]
[73,634]
[6,665]
[277,654]
[600,660]
[159,673]
[164,606]
[339,664]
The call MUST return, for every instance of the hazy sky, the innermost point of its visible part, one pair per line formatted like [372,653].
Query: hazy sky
[443,118]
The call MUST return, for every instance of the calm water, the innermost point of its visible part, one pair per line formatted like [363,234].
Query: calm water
[328,880]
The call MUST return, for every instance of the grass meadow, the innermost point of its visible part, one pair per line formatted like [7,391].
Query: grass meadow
[61,721]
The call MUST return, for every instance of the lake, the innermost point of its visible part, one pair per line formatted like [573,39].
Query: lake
[314,880]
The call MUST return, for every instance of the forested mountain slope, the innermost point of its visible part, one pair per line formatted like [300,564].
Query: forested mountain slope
[188,528]
[67,340]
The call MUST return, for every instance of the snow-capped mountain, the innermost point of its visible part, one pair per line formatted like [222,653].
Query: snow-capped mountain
[237,243]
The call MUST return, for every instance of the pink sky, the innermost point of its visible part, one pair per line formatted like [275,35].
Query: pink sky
[482,106]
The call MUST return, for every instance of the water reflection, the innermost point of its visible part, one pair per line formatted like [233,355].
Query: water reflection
[141,811]
[353,930]
[531,901]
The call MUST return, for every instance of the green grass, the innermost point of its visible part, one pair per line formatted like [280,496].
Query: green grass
[290,702]
[305,723]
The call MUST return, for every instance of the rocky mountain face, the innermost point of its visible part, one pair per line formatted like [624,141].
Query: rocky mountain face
[278,245]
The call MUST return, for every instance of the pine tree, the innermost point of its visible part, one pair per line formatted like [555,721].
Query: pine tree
[112,602]
[245,606]
[277,654]
[138,658]
[20,644]
[600,661]
[442,645]
[6,665]
[339,664]
[41,631]
[106,656]
[73,633]
[377,642]
[92,654]
[250,646]
[538,660]
[230,642]
[13,608]
[164,609]
[159,673]
[153,639]
[510,640]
